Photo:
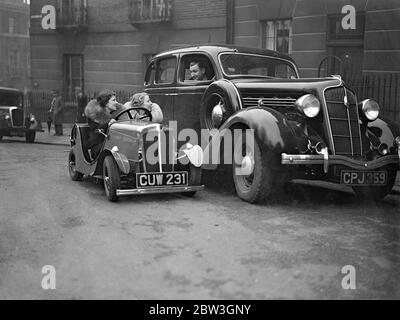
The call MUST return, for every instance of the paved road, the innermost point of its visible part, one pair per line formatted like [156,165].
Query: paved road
[213,246]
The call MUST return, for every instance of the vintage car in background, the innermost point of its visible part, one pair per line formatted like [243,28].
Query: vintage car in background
[13,119]
[303,128]
[123,164]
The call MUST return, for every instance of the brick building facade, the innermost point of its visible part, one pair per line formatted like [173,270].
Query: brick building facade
[109,46]
[310,30]
[14,44]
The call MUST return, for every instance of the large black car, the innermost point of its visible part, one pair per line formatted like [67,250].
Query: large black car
[303,128]
[13,119]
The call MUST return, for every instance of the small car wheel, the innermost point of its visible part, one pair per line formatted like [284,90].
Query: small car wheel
[30,136]
[376,193]
[1,138]
[257,176]
[111,178]
[195,175]
[75,175]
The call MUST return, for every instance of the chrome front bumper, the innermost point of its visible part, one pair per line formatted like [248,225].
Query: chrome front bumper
[301,159]
[127,192]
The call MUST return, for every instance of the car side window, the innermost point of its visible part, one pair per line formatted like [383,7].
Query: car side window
[195,68]
[150,74]
[165,70]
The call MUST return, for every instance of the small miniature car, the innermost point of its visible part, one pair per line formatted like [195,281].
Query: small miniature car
[134,157]
[13,119]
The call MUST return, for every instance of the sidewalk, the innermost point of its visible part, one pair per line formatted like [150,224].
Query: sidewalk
[49,138]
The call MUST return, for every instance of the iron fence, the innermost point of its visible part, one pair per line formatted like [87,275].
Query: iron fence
[384,88]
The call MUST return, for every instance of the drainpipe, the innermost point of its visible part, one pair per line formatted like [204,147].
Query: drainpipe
[230,21]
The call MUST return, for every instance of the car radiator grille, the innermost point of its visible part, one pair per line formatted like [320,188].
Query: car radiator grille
[18,117]
[344,122]
[268,102]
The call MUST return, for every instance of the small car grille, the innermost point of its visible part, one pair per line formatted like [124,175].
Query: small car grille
[17,117]
[344,122]
[268,102]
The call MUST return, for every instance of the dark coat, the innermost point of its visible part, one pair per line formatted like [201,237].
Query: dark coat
[57,110]
[97,118]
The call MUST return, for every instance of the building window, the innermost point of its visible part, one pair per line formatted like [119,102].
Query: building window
[150,10]
[13,62]
[12,26]
[277,35]
[73,75]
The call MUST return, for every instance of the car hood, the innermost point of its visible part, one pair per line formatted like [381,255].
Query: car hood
[305,85]
[133,126]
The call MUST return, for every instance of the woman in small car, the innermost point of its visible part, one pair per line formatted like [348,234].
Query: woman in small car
[99,113]
[142,100]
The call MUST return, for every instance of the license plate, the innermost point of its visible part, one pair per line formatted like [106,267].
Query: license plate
[161,179]
[366,178]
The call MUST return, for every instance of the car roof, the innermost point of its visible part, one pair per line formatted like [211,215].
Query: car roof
[218,48]
[9,90]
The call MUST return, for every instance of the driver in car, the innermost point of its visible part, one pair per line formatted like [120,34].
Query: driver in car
[142,100]
[99,114]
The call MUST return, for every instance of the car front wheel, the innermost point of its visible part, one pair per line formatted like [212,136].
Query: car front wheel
[111,178]
[255,173]
[1,138]
[75,175]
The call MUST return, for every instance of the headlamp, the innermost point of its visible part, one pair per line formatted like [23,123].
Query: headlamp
[370,108]
[309,105]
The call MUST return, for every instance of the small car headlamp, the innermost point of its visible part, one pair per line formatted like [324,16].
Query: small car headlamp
[370,108]
[309,105]
[7,117]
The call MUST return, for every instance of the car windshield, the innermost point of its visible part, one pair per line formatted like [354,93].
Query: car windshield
[251,65]
[10,99]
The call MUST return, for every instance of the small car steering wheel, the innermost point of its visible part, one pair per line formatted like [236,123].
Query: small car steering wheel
[139,113]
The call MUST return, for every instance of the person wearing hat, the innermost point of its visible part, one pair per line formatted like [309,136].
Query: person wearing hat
[56,112]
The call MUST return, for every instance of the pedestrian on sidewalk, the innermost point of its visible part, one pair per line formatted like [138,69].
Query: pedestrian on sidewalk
[57,110]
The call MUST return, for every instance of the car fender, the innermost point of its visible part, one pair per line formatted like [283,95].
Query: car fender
[271,131]
[224,89]
[121,160]
[385,130]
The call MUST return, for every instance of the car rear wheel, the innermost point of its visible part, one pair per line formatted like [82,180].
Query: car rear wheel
[75,175]
[255,173]
[111,178]
[30,136]
[377,193]
[195,175]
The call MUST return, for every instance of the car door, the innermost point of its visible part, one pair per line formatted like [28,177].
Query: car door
[190,92]
[160,82]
